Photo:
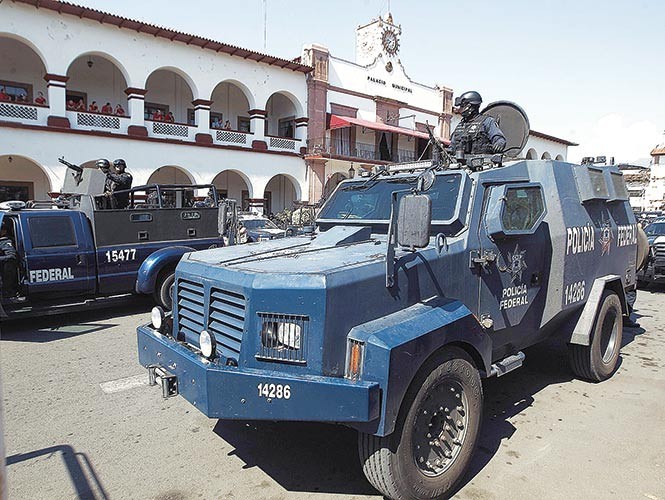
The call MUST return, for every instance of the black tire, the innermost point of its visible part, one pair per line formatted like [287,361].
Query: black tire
[598,360]
[446,395]
[164,289]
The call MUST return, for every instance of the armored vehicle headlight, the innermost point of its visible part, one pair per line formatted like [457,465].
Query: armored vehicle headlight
[207,344]
[281,334]
[289,334]
[157,318]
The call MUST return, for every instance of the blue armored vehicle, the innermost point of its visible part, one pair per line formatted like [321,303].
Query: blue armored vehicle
[421,281]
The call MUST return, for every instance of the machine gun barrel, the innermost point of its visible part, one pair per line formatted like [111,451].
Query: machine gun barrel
[76,168]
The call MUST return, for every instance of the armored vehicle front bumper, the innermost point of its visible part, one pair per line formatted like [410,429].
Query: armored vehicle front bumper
[230,392]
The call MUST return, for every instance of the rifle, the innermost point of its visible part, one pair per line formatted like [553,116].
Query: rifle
[440,156]
[78,171]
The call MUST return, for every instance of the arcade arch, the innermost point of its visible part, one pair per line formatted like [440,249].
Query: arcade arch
[282,109]
[22,71]
[233,184]
[280,193]
[531,154]
[167,91]
[97,80]
[231,102]
[546,156]
[170,174]
[23,179]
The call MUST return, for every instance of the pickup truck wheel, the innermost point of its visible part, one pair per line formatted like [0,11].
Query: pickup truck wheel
[435,436]
[599,359]
[164,289]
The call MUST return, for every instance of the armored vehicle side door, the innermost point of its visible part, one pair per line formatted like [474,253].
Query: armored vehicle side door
[60,258]
[513,264]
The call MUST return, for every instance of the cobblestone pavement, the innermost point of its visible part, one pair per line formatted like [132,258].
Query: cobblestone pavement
[80,421]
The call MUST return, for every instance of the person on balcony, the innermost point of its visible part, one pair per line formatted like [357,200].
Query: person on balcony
[80,105]
[71,105]
[107,109]
[22,97]
[93,107]
[158,116]
[41,100]
[215,123]
[119,110]
[227,125]
[170,118]
[3,95]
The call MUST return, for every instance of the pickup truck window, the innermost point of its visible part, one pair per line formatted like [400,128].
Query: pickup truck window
[51,232]
[371,201]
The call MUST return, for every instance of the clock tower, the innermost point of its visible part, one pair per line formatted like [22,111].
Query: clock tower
[380,37]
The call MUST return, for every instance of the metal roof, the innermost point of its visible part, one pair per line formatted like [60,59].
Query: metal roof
[162,32]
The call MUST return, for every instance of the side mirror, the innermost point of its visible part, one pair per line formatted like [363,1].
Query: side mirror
[414,219]
[222,215]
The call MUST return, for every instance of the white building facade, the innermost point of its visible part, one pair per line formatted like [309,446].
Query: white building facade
[654,196]
[178,108]
[367,112]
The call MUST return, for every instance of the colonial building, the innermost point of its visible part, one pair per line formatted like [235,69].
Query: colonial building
[369,111]
[179,108]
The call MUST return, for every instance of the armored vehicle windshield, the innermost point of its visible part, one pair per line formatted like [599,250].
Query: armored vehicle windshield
[370,199]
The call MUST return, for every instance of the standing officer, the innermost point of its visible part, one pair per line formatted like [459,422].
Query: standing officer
[476,133]
[119,181]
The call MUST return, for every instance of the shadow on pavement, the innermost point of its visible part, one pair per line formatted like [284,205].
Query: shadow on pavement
[80,470]
[62,326]
[316,457]
[300,456]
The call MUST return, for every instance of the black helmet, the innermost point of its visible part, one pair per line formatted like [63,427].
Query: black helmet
[470,97]
[119,163]
[103,164]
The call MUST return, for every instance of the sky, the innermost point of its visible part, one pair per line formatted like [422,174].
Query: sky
[588,71]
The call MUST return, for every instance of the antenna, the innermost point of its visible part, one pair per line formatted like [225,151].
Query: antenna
[265,25]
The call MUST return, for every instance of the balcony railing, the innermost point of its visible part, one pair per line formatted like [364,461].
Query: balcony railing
[171,130]
[231,137]
[281,143]
[360,150]
[83,120]
[24,113]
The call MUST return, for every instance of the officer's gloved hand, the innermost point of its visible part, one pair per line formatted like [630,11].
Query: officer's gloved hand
[497,148]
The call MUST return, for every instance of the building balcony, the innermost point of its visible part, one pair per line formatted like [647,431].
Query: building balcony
[363,151]
[85,120]
[282,143]
[232,138]
[30,114]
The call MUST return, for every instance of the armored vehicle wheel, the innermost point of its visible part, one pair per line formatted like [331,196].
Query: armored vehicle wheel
[598,360]
[435,435]
[164,290]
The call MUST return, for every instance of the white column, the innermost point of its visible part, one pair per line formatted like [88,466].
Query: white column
[202,118]
[258,125]
[136,111]
[57,95]
[301,130]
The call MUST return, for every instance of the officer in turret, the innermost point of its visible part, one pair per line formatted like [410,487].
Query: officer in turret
[119,181]
[476,133]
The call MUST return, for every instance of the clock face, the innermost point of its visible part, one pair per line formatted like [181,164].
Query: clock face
[390,41]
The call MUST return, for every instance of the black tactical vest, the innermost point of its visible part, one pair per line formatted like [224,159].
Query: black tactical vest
[471,136]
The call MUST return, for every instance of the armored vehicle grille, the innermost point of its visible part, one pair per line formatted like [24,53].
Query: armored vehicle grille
[226,320]
[191,310]
[659,251]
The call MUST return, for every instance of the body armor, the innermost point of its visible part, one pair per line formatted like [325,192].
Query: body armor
[471,136]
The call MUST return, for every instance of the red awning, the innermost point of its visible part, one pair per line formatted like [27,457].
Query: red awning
[348,121]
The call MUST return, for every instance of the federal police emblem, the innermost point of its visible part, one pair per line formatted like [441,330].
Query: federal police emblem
[517,264]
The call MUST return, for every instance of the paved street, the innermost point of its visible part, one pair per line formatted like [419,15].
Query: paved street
[81,422]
